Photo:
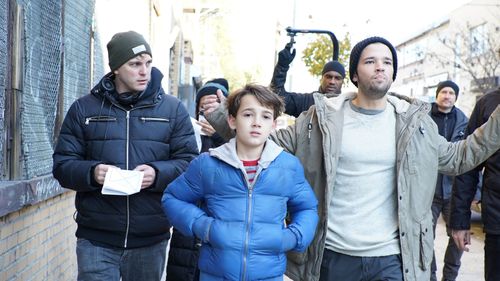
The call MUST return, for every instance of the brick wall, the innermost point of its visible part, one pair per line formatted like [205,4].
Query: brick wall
[38,242]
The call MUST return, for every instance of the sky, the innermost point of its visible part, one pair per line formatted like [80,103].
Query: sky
[396,20]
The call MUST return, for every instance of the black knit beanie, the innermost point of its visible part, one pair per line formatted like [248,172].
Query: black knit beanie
[334,66]
[448,83]
[125,46]
[211,87]
[358,49]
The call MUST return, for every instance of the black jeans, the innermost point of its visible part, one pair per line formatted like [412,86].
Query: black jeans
[340,267]
[492,257]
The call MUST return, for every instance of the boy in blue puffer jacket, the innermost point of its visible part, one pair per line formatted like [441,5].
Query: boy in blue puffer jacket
[248,187]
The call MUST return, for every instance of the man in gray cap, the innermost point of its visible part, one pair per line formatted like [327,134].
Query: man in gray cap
[372,159]
[127,129]
[332,78]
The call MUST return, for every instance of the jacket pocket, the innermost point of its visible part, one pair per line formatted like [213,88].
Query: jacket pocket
[154,119]
[426,243]
[99,119]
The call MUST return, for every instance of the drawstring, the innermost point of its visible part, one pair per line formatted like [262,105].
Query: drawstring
[310,126]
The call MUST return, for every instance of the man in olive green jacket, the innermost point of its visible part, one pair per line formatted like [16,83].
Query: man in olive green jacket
[388,210]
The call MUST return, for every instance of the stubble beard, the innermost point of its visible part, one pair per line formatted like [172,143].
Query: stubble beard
[375,91]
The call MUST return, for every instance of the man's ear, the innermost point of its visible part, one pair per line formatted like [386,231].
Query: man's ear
[355,77]
[275,123]
[232,122]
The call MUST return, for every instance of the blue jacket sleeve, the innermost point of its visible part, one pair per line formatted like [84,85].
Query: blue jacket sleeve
[303,209]
[179,202]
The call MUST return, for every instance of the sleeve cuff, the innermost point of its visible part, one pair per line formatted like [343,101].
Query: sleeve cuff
[289,240]
[201,228]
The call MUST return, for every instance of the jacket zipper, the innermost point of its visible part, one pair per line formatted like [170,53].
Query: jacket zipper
[247,233]
[126,167]
[249,219]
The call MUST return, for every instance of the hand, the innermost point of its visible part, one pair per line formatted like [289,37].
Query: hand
[212,102]
[100,172]
[149,175]
[286,56]
[461,238]
[206,128]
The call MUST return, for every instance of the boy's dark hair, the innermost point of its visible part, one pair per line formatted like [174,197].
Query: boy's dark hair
[264,96]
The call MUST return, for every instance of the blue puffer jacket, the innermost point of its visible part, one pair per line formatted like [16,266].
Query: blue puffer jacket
[156,131]
[242,226]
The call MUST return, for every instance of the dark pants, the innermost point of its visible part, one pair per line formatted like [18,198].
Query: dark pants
[340,267]
[452,255]
[492,257]
[100,263]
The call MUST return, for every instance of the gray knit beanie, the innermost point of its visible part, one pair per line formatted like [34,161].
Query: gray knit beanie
[125,46]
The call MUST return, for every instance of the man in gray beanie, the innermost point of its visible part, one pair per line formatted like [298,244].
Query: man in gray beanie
[332,78]
[371,158]
[126,129]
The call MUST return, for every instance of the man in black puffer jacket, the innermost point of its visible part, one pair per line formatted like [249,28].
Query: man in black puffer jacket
[128,122]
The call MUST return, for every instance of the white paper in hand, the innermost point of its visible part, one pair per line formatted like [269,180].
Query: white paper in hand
[122,182]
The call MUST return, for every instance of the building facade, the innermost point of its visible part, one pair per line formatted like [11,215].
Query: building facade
[464,47]
[51,53]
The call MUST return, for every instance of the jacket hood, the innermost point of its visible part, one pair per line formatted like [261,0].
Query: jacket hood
[227,153]
[151,95]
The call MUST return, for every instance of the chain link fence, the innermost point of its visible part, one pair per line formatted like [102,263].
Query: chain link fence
[49,56]
[3,73]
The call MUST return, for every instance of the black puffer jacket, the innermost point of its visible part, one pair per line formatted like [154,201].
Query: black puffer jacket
[156,131]
[465,186]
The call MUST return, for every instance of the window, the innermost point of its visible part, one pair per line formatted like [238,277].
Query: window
[414,52]
[477,40]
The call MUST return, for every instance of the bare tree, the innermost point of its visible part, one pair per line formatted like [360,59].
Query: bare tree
[476,51]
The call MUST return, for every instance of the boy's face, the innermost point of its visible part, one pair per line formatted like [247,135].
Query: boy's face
[253,123]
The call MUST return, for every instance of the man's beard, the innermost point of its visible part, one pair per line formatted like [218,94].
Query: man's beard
[374,91]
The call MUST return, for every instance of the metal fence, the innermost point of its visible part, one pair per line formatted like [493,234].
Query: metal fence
[47,55]
[3,72]
[42,66]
